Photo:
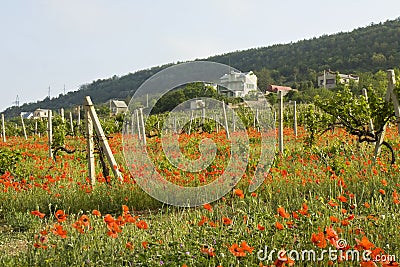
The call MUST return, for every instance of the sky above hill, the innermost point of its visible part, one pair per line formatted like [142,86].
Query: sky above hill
[66,43]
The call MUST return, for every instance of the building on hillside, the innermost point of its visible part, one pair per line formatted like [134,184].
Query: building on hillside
[328,79]
[40,113]
[27,115]
[117,107]
[237,84]
[197,104]
[278,88]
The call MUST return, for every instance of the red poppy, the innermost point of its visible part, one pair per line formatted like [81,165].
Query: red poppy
[38,213]
[226,221]
[142,225]
[60,216]
[207,207]
[283,213]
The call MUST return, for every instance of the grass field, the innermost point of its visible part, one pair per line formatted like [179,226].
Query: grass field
[330,199]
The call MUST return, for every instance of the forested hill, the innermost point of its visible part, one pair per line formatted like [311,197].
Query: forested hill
[367,49]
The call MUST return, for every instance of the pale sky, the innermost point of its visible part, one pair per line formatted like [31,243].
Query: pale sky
[73,42]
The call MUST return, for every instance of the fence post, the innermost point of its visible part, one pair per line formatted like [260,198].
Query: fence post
[390,94]
[3,128]
[79,115]
[23,127]
[71,123]
[295,119]
[50,133]
[143,126]
[280,121]
[62,114]
[225,120]
[90,146]
[371,124]
[102,138]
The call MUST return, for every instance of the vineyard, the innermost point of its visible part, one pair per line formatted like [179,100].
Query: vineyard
[329,199]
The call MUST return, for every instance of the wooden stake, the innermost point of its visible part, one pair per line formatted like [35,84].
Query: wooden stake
[71,123]
[50,133]
[3,128]
[103,140]
[138,124]
[280,122]
[371,124]
[90,146]
[62,114]
[225,120]
[295,119]
[79,115]
[143,127]
[23,127]
[390,94]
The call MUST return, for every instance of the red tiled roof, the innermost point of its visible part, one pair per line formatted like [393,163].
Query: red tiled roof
[276,88]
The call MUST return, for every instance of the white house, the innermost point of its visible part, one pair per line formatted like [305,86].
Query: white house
[328,79]
[40,113]
[117,107]
[237,84]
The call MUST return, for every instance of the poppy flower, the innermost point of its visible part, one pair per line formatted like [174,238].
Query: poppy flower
[38,213]
[283,213]
[207,207]
[226,221]
[332,203]
[142,225]
[209,251]
[279,226]
[129,246]
[96,213]
[342,198]
[260,227]
[85,220]
[237,251]
[60,216]
[202,221]
[114,229]
[108,219]
[364,243]
[239,193]
[319,239]
[145,244]
[58,230]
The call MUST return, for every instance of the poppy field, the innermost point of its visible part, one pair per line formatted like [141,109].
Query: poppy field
[329,204]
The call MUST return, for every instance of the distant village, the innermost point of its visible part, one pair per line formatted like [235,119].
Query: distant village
[240,85]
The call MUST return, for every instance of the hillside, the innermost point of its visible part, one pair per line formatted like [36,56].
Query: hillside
[366,49]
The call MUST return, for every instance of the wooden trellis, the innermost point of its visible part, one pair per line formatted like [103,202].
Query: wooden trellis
[92,121]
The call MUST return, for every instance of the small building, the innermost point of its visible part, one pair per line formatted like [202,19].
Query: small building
[278,88]
[328,79]
[27,115]
[40,113]
[237,84]
[117,107]
[197,104]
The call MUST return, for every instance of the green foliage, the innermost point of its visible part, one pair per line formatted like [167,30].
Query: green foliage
[8,160]
[59,131]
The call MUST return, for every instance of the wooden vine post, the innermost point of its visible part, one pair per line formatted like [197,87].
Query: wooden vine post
[280,122]
[50,133]
[3,128]
[93,120]
[71,123]
[390,95]
[23,127]
[295,119]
